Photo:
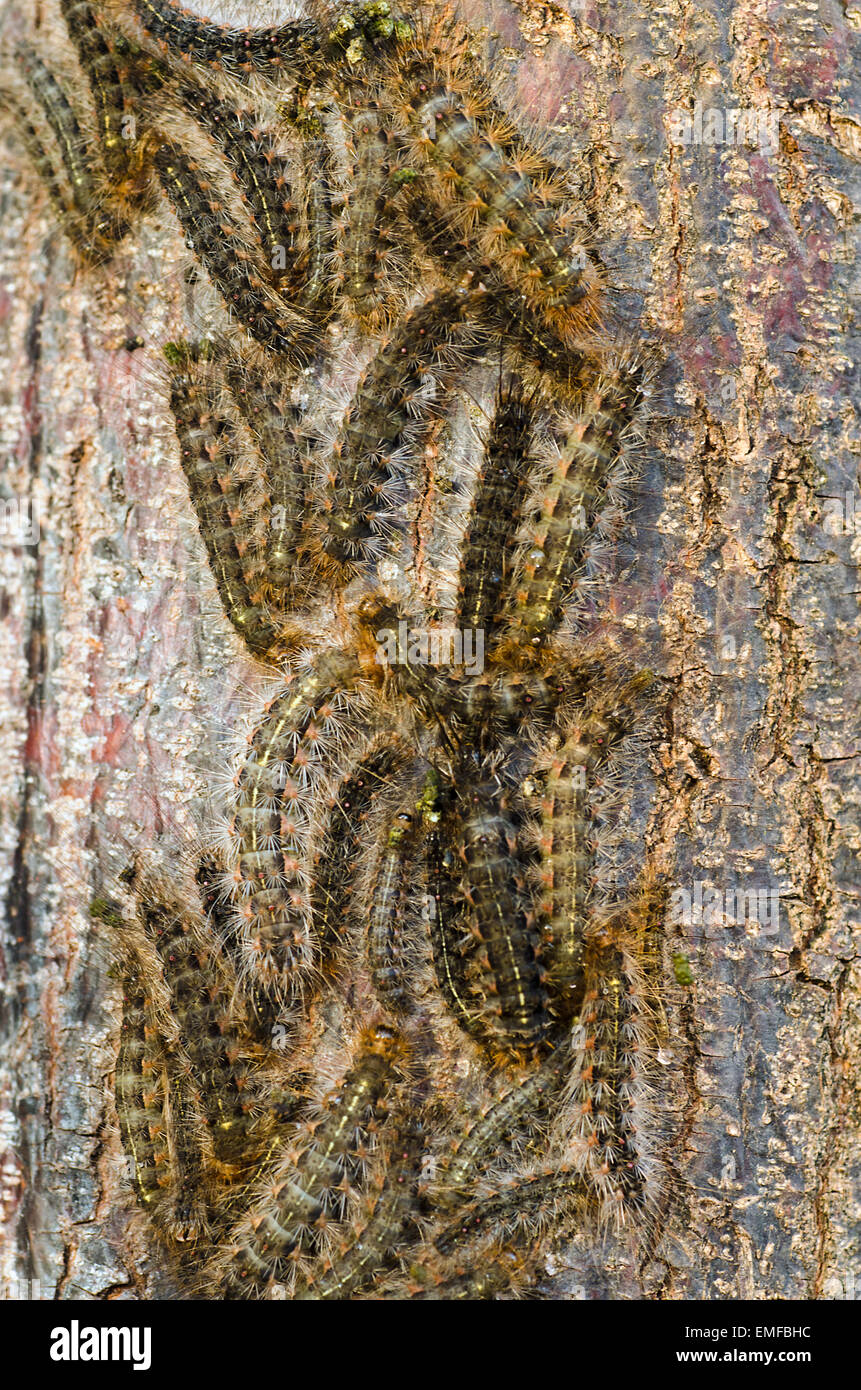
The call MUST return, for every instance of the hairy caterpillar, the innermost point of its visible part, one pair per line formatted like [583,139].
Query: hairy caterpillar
[45,165]
[275,422]
[579,478]
[388,924]
[204,1004]
[286,1209]
[93,230]
[320,233]
[366,247]
[450,944]
[119,75]
[376,1244]
[158,1101]
[340,843]
[471,1285]
[269,822]
[602,1093]
[389,398]
[528,1101]
[507,194]
[489,841]
[495,510]
[526,1201]
[208,450]
[551,365]
[568,830]
[218,241]
[296,50]
[241,52]
[263,176]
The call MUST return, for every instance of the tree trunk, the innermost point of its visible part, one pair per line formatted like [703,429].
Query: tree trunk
[737,577]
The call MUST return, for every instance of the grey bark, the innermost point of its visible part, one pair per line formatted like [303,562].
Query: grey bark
[121,680]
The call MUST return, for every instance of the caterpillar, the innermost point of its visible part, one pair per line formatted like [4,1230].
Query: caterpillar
[453,1285]
[489,841]
[276,424]
[318,288]
[263,176]
[218,241]
[296,50]
[208,454]
[568,830]
[523,1203]
[46,167]
[528,1102]
[389,398]
[602,1093]
[388,922]
[283,48]
[119,75]
[340,843]
[158,1102]
[376,1244]
[269,823]
[286,1208]
[450,945]
[495,510]
[92,229]
[512,199]
[575,489]
[552,366]
[366,249]
[204,1004]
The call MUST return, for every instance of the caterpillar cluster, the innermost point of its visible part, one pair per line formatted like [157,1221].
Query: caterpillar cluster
[411,861]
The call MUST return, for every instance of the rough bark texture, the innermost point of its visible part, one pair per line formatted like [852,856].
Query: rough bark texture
[120,677]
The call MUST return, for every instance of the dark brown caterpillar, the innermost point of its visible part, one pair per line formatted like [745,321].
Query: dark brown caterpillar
[489,841]
[550,364]
[376,1244]
[207,449]
[366,249]
[390,398]
[451,944]
[506,193]
[212,1031]
[601,1098]
[289,1209]
[388,922]
[218,241]
[495,510]
[263,176]
[525,1104]
[46,166]
[318,289]
[92,228]
[284,449]
[119,75]
[284,48]
[269,823]
[557,1194]
[340,844]
[162,1124]
[568,507]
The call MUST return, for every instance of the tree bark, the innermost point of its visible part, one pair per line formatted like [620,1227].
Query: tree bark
[737,577]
